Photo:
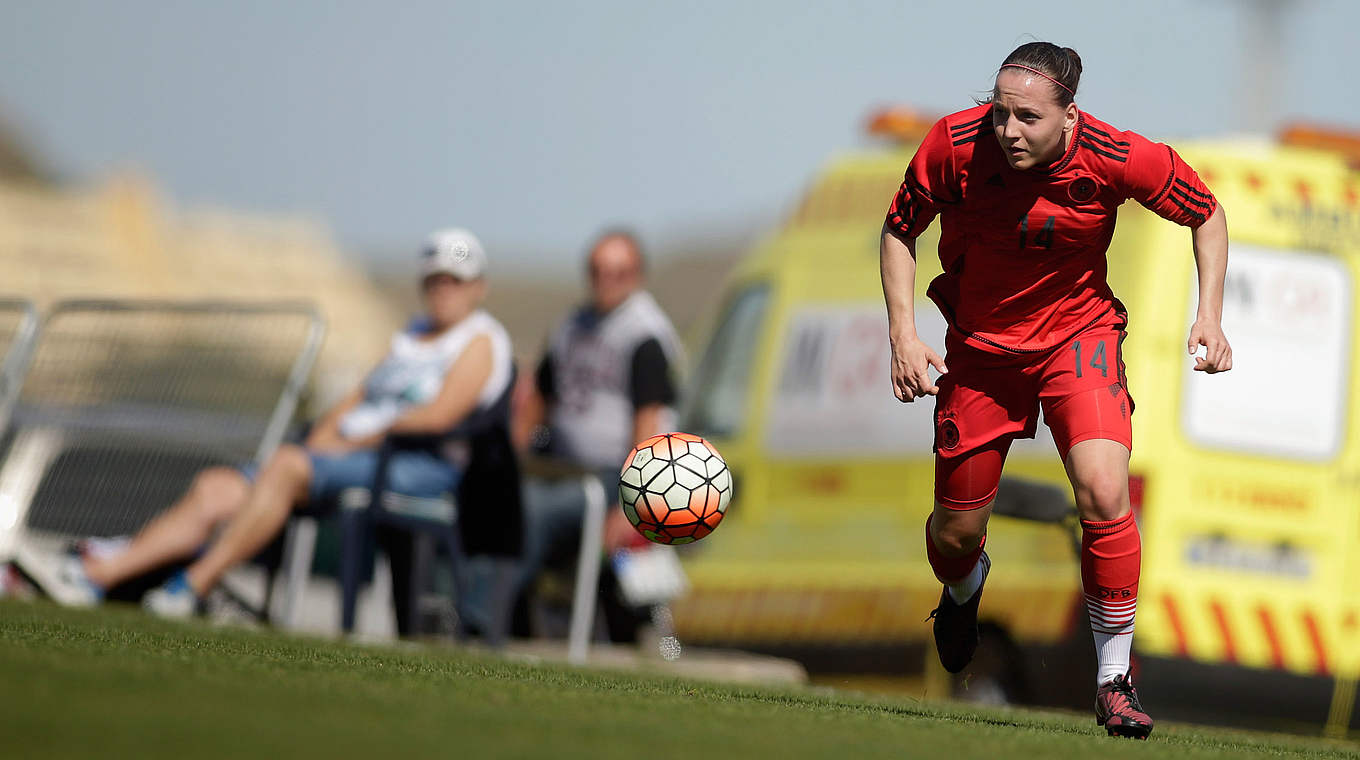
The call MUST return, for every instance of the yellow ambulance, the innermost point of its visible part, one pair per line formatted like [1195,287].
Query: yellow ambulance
[1246,485]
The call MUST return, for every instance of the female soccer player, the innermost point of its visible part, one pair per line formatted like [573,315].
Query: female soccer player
[1026,219]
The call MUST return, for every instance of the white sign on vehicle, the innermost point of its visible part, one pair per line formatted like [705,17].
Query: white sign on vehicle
[833,395]
[1287,315]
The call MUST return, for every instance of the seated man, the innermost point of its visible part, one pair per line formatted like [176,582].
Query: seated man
[454,363]
[604,383]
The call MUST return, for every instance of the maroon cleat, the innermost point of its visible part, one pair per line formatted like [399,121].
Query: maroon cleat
[1119,711]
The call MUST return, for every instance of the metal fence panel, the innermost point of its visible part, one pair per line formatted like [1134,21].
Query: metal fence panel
[18,327]
[124,401]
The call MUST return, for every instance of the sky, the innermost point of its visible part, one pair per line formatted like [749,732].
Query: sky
[536,124]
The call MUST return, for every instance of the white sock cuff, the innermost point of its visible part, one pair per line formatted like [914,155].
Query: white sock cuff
[963,590]
[1112,655]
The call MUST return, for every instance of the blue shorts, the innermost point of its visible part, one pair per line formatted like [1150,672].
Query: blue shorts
[410,472]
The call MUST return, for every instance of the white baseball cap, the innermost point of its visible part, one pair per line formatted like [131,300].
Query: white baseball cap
[453,251]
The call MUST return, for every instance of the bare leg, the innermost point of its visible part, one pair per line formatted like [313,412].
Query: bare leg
[1099,471]
[216,494]
[282,483]
[957,533]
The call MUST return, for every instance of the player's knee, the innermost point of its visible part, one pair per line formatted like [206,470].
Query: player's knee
[217,491]
[291,470]
[959,534]
[1103,496]
[290,461]
[957,544]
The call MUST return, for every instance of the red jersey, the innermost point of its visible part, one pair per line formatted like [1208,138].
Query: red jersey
[1024,251]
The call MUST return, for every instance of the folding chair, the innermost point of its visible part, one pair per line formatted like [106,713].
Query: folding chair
[429,521]
[122,402]
[483,517]
[18,330]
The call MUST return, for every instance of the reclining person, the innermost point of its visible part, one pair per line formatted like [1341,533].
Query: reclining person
[450,365]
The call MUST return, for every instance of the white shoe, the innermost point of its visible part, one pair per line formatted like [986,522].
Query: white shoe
[175,599]
[62,576]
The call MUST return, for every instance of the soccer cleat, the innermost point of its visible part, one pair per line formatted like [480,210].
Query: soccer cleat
[956,628]
[1119,711]
[175,599]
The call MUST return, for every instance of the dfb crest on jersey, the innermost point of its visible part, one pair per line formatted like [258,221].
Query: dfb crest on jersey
[1081,189]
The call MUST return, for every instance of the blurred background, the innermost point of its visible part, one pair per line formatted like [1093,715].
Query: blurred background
[360,128]
[259,151]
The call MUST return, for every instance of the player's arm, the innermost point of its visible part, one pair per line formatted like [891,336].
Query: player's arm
[532,412]
[1157,177]
[325,433]
[650,389]
[653,395]
[910,355]
[618,531]
[647,421]
[1211,264]
[457,397]
[929,183]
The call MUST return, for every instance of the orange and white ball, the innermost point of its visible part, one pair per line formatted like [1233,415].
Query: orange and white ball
[675,488]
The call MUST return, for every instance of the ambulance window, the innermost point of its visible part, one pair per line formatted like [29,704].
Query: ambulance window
[1288,316]
[716,403]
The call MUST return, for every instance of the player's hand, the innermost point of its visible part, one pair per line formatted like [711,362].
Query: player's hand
[1217,357]
[910,360]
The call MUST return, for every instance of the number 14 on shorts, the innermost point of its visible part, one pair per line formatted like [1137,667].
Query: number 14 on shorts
[1098,360]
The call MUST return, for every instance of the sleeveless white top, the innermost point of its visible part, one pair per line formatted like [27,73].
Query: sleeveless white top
[592,421]
[414,370]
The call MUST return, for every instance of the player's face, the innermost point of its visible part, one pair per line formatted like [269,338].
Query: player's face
[615,272]
[1030,124]
[449,299]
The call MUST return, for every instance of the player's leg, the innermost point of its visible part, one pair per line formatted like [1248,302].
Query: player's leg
[215,495]
[983,403]
[1111,550]
[956,530]
[1088,408]
[1111,555]
[283,482]
[955,534]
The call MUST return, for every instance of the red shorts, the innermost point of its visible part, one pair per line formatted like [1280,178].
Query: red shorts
[986,400]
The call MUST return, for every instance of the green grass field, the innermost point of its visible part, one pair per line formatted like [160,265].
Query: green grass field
[115,683]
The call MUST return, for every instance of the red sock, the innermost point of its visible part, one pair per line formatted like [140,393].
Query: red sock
[1111,553]
[950,569]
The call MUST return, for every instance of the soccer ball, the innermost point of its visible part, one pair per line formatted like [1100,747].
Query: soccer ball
[674,488]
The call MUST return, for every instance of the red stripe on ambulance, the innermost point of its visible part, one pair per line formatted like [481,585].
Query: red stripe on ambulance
[1315,637]
[1174,616]
[1272,637]
[1224,630]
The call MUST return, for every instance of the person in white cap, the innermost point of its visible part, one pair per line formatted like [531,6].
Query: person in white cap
[453,362]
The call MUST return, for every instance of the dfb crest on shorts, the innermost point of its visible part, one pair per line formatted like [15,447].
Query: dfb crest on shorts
[948,434]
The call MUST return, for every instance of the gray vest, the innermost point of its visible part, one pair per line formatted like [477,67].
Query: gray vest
[592,419]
